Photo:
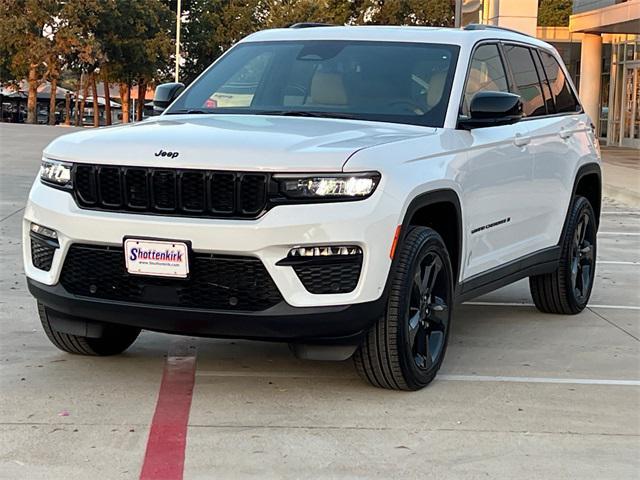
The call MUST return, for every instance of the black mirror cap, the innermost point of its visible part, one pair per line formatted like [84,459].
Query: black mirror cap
[165,94]
[491,109]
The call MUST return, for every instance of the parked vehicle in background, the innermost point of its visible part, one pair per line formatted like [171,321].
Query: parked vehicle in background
[337,188]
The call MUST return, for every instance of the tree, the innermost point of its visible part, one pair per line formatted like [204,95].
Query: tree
[23,24]
[282,13]
[130,42]
[107,97]
[554,13]
[136,40]
[212,26]
[86,54]
[113,32]
[438,13]
[60,40]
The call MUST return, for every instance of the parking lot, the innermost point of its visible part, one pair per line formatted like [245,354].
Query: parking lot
[520,395]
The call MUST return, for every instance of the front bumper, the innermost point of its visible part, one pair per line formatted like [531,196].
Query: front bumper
[343,324]
[369,224]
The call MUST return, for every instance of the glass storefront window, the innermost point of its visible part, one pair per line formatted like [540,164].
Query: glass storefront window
[619,121]
[606,57]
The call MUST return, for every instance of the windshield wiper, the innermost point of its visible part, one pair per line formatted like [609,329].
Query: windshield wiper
[306,113]
[282,113]
[188,111]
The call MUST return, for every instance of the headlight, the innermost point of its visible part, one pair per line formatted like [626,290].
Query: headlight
[337,187]
[56,173]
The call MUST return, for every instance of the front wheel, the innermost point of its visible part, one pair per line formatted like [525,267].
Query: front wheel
[405,348]
[567,290]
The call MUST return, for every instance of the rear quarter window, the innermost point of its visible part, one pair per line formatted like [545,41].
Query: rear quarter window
[563,96]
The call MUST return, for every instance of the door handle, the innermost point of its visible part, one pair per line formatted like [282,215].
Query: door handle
[564,133]
[521,140]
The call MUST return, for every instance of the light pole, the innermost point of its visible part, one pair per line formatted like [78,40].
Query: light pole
[178,15]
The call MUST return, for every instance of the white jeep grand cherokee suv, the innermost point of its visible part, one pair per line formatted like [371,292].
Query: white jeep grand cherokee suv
[336,188]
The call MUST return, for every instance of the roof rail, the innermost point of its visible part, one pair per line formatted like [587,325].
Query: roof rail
[480,26]
[311,25]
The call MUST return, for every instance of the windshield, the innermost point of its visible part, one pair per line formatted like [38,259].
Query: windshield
[378,81]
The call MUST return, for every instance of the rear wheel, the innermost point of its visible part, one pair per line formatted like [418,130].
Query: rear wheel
[567,290]
[114,339]
[405,349]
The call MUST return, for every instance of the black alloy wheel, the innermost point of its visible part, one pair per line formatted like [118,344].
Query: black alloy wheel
[567,290]
[427,317]
[582,257]
[405,348]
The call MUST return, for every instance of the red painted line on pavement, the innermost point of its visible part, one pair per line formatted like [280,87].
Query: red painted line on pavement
[164,458]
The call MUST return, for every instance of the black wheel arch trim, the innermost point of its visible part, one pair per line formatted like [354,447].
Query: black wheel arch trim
[583,171]
[443,195]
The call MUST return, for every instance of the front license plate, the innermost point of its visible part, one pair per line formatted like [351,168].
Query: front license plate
[156,258]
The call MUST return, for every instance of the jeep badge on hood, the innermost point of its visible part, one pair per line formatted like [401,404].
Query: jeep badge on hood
[162,153]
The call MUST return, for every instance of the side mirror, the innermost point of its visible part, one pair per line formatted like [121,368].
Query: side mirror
[489,109]
[164,95]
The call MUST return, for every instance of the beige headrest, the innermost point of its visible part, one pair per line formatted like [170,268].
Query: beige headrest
[478,80]
[436,88]
[328,89]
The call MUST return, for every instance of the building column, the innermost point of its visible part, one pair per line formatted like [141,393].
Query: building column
[591,75]
[521,15]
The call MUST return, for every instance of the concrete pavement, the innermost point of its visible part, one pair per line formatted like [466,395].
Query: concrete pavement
[521,394]
[621,171]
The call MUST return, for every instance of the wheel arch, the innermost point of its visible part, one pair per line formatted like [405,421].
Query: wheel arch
[440,210]
[587,183]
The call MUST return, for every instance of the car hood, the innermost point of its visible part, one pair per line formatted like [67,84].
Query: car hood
[231,142]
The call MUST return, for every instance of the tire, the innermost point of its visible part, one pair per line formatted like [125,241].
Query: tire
[567,290]
[115,339]
[405,348]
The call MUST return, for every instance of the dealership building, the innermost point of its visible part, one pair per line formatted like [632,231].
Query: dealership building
[601,48]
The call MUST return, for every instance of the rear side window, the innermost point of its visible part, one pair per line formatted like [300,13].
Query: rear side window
[486,73]
[548,98]
[526,79]
[563,96]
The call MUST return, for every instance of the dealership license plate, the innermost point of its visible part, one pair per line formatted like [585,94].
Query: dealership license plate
[157,258]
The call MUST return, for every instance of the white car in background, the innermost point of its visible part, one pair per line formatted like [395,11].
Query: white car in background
[336,188]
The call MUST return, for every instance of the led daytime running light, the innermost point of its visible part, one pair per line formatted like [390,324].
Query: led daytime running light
[325,251]
[350,187]
[44,231]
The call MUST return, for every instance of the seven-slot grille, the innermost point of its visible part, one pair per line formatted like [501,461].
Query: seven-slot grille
[170,191]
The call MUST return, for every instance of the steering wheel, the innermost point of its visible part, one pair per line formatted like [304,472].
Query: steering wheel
[298,87]
[407,105]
